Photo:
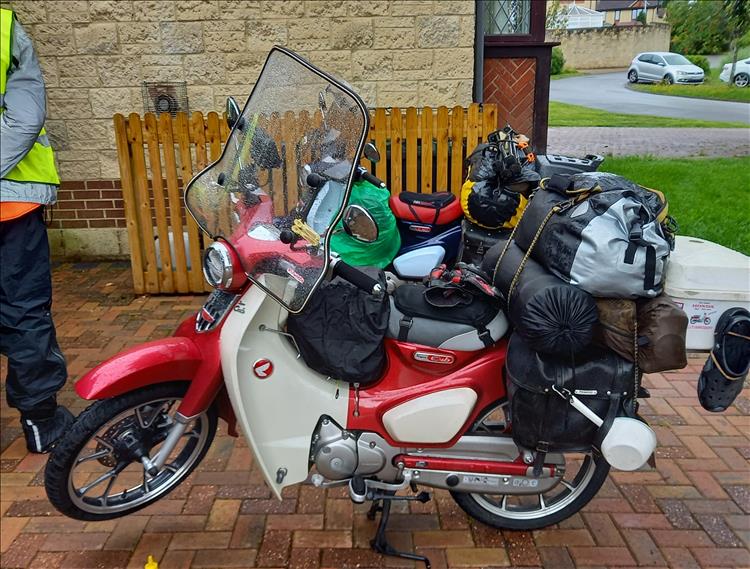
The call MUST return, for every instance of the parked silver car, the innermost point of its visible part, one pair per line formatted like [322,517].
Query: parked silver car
[656,66]
[741,73]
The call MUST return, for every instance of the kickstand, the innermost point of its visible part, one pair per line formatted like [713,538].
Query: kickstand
[382,503]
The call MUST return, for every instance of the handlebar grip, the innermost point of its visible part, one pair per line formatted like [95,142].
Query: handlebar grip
[356,277]
[374,180]
[315,181]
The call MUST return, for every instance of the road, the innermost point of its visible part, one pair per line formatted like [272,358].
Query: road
[607,91]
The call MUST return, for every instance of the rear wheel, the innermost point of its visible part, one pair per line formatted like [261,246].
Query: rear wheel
[741,80]
[95,473]
[584,476]
[633,76]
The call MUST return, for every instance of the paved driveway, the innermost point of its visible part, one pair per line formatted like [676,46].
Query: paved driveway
[607,91]
[689,513]
[660,142]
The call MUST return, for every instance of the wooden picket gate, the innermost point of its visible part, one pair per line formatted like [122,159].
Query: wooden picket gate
[421,150]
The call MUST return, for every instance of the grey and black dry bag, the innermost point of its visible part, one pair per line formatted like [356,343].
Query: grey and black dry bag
[600,232]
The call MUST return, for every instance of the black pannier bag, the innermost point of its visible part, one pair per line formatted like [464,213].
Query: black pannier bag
[601,232]
[541,419]
[340,332]
[550,315]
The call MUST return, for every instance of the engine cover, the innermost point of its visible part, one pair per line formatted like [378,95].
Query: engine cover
[334,451]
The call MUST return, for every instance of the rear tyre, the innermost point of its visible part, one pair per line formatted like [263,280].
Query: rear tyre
[93,473]
[633,76]
[668,80]
[741,80]
[532,512]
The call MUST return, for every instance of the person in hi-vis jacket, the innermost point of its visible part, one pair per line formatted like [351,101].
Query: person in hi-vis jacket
[28,183]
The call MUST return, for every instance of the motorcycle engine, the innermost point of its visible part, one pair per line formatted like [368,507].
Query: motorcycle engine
[338,454]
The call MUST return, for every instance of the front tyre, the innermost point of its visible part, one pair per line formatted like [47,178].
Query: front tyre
[668,80]
[633,76]
[584,476]
[94,472]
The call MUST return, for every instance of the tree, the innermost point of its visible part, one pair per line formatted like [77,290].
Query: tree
[642,17]
[698,27]
[738,18]
[557,16]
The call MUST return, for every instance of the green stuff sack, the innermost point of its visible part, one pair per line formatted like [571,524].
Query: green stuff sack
[381,252]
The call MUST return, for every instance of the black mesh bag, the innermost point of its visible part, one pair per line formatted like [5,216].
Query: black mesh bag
[340,332]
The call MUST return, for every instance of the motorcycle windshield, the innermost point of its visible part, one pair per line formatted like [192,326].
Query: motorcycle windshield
[297,121]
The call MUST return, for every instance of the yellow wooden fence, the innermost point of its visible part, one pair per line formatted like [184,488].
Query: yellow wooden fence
[421,150]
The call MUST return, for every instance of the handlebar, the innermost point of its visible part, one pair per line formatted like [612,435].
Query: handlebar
[363,174]
[356,277]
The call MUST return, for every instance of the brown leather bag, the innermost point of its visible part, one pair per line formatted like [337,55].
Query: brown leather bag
[661,329]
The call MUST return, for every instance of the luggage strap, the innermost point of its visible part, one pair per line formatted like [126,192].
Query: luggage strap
[404,325]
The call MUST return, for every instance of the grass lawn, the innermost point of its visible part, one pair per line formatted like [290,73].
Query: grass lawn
[567,73]
[713,88]
[709,197]
[563,114]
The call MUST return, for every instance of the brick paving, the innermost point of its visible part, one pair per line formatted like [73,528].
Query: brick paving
[691,512]
[659,142]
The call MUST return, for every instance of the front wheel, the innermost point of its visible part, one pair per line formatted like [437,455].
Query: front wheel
[95,473]
[668,80]
[633,76]
[741,80]
[584,476]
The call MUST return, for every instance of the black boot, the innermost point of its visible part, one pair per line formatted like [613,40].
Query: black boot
[43,432]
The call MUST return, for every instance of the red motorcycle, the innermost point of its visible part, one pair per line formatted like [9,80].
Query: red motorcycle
[435,418]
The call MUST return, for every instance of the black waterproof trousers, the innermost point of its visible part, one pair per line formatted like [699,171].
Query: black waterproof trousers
[36,367]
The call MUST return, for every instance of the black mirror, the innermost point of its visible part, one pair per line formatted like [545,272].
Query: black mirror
[371,153]
[359,224]
[233,112]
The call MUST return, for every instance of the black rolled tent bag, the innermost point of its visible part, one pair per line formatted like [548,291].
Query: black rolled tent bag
[550,315]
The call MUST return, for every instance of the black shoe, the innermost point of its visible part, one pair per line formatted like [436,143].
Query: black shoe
[724,373]
[42,434]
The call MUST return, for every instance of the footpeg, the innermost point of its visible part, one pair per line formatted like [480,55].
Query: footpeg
[358,490]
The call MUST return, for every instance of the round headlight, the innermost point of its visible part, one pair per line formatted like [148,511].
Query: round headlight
[217,265]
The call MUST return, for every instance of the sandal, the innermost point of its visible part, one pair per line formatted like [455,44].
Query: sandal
[726,368]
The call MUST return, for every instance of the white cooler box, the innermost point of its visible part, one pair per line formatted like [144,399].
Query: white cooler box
[706,279]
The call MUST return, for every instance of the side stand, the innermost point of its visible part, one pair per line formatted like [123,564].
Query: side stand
[382,503]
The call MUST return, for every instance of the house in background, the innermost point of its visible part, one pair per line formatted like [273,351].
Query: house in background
[616,12]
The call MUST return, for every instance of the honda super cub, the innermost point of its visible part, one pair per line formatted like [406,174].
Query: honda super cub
[435,417]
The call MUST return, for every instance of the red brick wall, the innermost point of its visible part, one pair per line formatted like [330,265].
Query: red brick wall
[88,204]
[509,82]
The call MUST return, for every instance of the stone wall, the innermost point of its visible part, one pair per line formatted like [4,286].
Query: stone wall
[598,48]
[96,54]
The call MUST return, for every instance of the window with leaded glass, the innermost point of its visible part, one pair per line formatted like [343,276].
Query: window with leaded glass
[506,17]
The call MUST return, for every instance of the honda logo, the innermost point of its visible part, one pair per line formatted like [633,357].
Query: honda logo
[263,368]
[434,358]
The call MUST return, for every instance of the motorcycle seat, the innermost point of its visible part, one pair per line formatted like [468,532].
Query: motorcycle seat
[467,328]
[434,209]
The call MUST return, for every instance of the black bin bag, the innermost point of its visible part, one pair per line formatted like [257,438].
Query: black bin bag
[543,420]
[552,316]
[340,332]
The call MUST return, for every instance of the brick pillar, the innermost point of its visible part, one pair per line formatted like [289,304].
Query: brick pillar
[509,83]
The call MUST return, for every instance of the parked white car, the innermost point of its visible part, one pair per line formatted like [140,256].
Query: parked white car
[656,66]
[741,73]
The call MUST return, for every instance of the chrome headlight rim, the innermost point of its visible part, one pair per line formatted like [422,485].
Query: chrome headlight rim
[224,281]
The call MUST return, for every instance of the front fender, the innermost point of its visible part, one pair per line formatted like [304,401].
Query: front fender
[170,359]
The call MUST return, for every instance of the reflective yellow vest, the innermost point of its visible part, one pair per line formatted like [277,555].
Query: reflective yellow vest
[39,163]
